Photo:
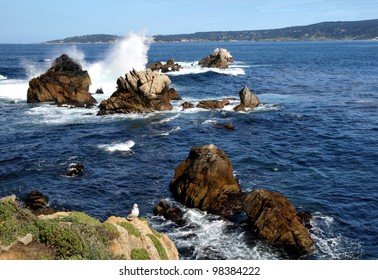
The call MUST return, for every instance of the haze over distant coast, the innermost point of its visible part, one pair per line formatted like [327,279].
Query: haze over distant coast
[335,30]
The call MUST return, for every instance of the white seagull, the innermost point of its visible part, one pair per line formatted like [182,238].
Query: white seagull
[134,212]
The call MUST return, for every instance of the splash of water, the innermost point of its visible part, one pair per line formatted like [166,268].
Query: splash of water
[128,53]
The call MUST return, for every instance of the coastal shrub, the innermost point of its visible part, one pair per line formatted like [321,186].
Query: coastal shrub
[130,228]
[159,247]
[15,222]
[81,218]
[139,254]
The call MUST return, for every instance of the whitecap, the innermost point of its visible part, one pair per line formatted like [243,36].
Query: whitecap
[330,244]
[122,146]
[3,77]
[193,68]
[171,131]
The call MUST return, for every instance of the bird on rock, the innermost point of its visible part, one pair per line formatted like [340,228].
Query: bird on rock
[134,212]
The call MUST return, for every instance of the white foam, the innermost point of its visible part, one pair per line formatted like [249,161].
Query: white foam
[329,244]
[13,89]
[3,77]
[122,147]
[192,67]
[171,131]
[207,236]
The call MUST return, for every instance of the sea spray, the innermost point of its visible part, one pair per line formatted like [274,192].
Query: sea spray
[128,53]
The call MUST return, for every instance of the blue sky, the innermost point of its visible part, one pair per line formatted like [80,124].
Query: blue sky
[30,21]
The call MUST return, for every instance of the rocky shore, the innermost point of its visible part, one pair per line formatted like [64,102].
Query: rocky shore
[75,235]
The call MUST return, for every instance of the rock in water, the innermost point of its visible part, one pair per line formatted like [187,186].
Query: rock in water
[275,219]
[205,180]
[36,200]
[248,100]
[140,92]
[64,83]
[220,58]
[170,213]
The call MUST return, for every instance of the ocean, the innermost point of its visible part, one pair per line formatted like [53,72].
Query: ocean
[313,139]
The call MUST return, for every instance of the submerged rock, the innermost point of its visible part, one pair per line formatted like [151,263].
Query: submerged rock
[275,219]
[75,170]
[213,104]
[65,83]
[220,58]
[205,180]
[140,92]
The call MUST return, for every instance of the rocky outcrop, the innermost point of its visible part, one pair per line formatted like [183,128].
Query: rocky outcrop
[169,66]
[205,180]
[64,83]
[170,213]
[75,235]
[75,170]
[248,100]
[220,58]
[137,240]
[139,92]
[274,219]
[213,104]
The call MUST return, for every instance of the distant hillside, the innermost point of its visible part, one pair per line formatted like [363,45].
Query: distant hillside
[87,39]
[337,30]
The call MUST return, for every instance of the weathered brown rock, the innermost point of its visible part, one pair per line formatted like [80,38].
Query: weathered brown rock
[170,213]
[187,105]
[75,170]
[140,92]
[228,126]
[64,83]
[205,180]
[169,66]
[213,104]
[36,200]
[220,58]
[248,100]
[275,219]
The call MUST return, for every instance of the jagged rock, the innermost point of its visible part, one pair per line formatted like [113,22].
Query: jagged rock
[99,91]
[220,58]
[248,100]
[205,180]
[169,66]
[139,92]
[213,104]
[275,219]
[170,213]
[36,200]
[64,83]
[138,235]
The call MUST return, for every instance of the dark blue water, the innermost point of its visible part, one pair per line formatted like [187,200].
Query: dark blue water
[314,140]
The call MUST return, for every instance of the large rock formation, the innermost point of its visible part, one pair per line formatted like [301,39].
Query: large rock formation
[75,235]
[64,83]
[140,92]
[248,100]
[205,180]
[274,219]
[220,58]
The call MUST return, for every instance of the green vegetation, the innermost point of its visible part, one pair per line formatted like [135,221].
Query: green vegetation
[130,229]
[161,251]
[87,39]
[139,254]
[77,236]
[340,30]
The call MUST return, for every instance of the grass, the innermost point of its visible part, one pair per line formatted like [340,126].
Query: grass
[159,247]
[139,254]
[130,229]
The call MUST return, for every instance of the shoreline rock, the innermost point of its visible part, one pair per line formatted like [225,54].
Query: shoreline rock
[205,181]
[169,66]
[248,100]
[75,235]
[275,220]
